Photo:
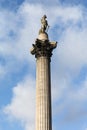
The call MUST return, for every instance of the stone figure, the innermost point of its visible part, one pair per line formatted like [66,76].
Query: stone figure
[44,25]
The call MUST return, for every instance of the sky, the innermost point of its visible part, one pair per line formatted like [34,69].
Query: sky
[19,26]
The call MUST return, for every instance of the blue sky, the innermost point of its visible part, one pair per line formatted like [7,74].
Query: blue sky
[19,26]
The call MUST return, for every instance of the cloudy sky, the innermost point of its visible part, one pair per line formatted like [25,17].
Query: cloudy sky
[19,26]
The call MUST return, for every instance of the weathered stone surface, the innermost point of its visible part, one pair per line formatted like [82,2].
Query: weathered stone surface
[43,94]
[43,48]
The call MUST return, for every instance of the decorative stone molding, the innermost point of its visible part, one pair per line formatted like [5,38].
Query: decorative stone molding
[43,48]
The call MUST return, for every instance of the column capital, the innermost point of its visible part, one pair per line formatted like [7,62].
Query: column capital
[43,48]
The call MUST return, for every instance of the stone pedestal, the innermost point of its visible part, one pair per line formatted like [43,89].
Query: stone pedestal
[42,49]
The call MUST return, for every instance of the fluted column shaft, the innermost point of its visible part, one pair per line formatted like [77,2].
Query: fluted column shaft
[42,49]
[43,94]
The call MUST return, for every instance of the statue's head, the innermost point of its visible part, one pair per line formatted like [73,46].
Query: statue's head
[45,16]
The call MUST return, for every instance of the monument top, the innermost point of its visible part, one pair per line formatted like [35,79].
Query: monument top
[42,46]
[44,28]
[44,25]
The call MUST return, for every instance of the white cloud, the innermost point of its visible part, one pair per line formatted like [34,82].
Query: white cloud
[74,48]
[70,99]
[22,106]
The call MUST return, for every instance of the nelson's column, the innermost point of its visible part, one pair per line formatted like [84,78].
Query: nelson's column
[42,49]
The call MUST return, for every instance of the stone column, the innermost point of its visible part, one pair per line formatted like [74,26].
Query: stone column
[43,94]
[42,49]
